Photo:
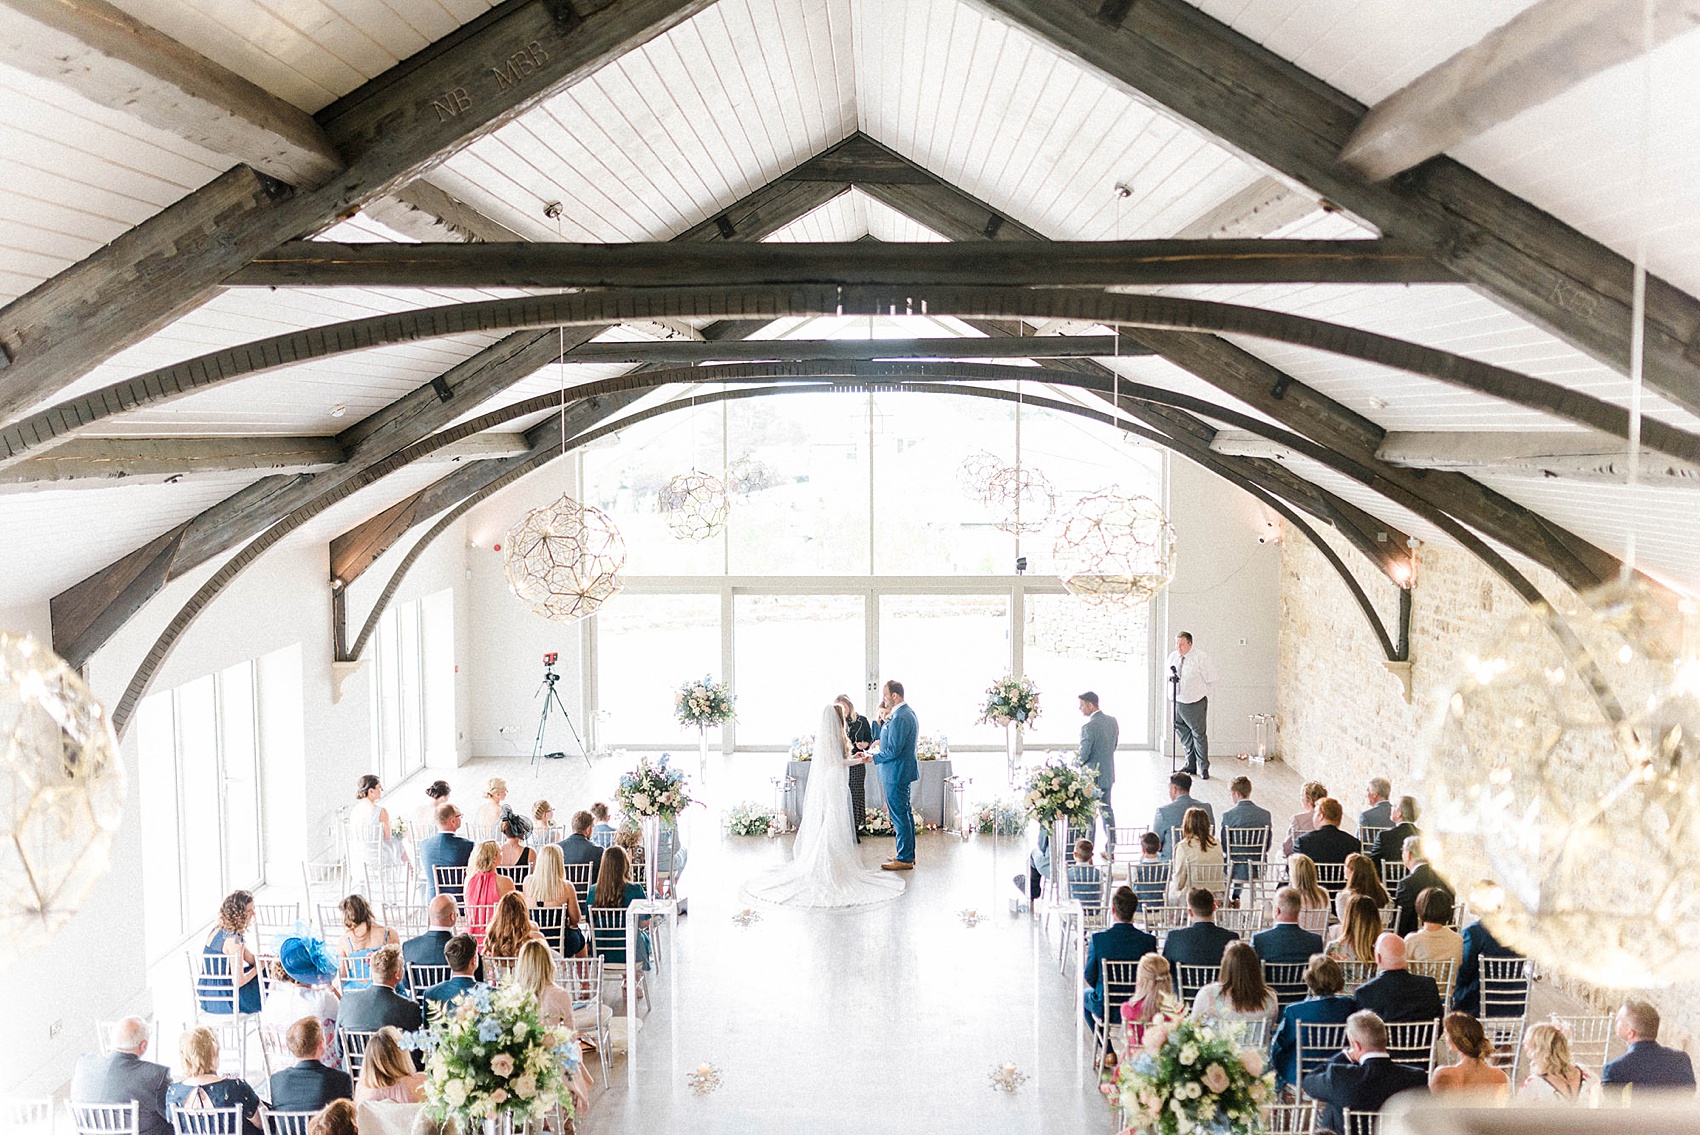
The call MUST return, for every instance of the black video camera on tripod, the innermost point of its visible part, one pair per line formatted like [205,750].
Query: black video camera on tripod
[552,700]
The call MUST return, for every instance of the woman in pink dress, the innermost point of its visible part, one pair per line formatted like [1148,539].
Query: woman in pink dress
[386,1071]
[484,889]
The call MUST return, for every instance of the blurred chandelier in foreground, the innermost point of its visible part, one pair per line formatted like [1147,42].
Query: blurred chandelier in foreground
[63,796]
[1564,789]
[564,560]
[1116,549]
[695,505]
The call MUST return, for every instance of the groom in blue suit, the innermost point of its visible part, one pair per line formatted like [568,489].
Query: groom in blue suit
[894,757]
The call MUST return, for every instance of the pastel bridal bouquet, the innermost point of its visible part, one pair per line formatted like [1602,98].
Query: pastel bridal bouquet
[491,1056]
[653,790]
[1011,701]
[1061,786]
[1190,1077]
[704,703]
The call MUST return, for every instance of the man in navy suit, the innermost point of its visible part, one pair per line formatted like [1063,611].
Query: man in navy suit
[1170,815]
[462,956]
[1328,844]
[1286,942]
[378,1004]
[579,847]
[427,948]
[122,1076]
[1098,740]
[895,733]
[308,1085]
[1121,941]
[1419,877]
[1325,1004]
[1395,994]
[1363,1077]
[1379,814]
[1647,1064]
[1466,990]
[445,849]
[1203,943]
[1248,816]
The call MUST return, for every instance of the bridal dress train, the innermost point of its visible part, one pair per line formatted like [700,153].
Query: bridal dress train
[826,869]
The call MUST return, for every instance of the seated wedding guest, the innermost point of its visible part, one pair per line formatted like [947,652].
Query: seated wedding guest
[547,887]
[445,849]
[1647,1064]
[301,987]
[494,806]
[1286,942]
[614,890]
[1170,815]
[1239,992]
[202,1087]
[484,888]
[578,848]
[122,1076]
[542,820]
[510,928]
[1390,845]
[1362,878]
[602,832]
[235,915]
[1246,816]
[1470,1070]
[1039,862]
[1379,814]
[1327,843]
[1436,941]
[338,1118]
[1553,1076]
[512,851]
[1085,882]
[534,972]
[1363,1077]
[1153,983]
[1353,940]
[629,838]
[307,1085]
[425,816]
[1120,941]
[1324,1004]
[1480,943]
[1203,942]
[1419,877]
[378,1004]
[1196,859]
[387,1071]
[362,935]
[1149,886]
[1301,876]
[461,956]
[1304,821]
[1395,994]
[427,949]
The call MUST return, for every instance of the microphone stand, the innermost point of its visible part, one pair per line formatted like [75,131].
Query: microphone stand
[1174,719]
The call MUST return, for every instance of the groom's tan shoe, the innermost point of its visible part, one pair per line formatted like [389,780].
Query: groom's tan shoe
[898,865]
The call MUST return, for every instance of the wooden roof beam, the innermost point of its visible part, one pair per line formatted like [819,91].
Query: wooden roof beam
[1532,58]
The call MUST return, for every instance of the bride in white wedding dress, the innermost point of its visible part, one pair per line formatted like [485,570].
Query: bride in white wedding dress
[825,868]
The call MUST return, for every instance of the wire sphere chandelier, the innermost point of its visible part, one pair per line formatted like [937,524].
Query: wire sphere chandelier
[748,475]
[695,505]
[564,560]
[63,794]
[976,470]
[1021,499]
[1115,550]
[1564,786]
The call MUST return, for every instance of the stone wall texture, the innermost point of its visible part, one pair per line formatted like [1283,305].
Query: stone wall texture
[1343,716]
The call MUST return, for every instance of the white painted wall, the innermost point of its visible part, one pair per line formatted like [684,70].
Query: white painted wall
[33,619]
[1226,589]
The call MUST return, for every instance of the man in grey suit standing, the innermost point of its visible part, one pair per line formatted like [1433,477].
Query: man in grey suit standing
[122,1076]
[1098,740]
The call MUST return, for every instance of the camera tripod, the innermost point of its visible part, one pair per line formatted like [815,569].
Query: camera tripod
[552,700]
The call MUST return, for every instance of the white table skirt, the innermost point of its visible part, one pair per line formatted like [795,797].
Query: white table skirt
[929,796]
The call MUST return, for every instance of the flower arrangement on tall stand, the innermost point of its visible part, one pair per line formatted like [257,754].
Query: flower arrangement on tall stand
[1191,1077]
[493,1064]
[1061,792]
[1013,704]
[654,793]
[706,704]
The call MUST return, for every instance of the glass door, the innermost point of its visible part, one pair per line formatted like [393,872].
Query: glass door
[793,654]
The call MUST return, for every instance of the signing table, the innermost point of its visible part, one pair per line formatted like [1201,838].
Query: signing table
[930,796]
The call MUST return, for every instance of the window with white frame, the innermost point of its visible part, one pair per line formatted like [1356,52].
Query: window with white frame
[413,685]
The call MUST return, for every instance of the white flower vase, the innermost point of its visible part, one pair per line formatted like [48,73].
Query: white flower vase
[649,828]
[502,1124]
[702,754]
[1012,749]
[1061,853]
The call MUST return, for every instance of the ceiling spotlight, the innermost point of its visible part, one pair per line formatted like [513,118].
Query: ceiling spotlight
[1123,189]
[552,210]
[338,410]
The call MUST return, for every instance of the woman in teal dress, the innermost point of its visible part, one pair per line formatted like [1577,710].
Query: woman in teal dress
[615,891]
[235,914]
[361,938]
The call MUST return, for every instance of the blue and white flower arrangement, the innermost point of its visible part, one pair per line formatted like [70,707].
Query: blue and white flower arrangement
[492,1056]
[704,704]
[654,789]
[1011,701]
[1060,786]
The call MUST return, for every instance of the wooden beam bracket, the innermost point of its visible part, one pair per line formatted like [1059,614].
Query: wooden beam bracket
[443,389]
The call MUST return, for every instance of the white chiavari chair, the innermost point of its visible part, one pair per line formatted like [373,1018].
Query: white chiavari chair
[1504,987]
[1315,920]
[1590,1037]
[1289,1118]
[1159,920]
[1331,877]
[1315,1045]
[498,969]
[217,1002]
[1244,920]
[354,1042]
[1393,873]
[517,874]
[1443,972]
[1190,979]
[1506,1036]
[1412,1044]
[407,919]
[1248,851]
[206,1120]
[274,1050]
[356,972]
[578,874]
[103,1034]
[1389,916]
[323,878]
[27,1116]
[451,881]
[582,979]
[1150,882]
[286,1122]
[273,920]
[1287,979]
[1245,1034]
[608,943]
[1213,877]
[1120,978]
[603,840]
[421,977]
[552,921]
[329,915]
[390,883]
[1361,1122]
[1369,836]
[103,1118]
[1356,973]
[1127,848]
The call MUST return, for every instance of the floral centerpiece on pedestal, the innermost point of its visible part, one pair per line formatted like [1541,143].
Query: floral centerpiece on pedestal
[654,790]
[704,704]
[1000,817]
[1060,786]
[750,818]
[1011,701]
[1190,1077]
[931,749]
[803,748]
[491,1057]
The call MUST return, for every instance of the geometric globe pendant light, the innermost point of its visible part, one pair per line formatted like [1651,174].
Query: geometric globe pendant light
[695,505]
[563,560]
[1115,550]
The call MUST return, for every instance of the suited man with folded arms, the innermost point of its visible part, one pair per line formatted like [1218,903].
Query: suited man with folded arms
[1098,740]
[1647,1064]
[122,1076]
[1363,1077]
[1395,994]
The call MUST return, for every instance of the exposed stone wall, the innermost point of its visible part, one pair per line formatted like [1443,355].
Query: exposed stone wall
[1343,717]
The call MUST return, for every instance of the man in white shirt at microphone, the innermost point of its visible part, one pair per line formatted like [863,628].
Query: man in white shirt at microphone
[1195,674]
